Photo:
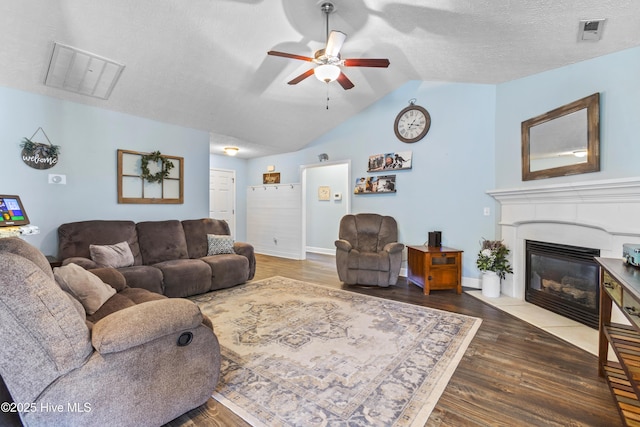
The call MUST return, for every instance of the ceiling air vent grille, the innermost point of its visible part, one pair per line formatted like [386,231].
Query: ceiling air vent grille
[82,72]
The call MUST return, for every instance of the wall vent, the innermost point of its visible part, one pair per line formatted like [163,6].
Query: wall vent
[82,72]
[590,29]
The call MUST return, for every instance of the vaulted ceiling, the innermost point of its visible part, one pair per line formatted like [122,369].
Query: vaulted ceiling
[203,63]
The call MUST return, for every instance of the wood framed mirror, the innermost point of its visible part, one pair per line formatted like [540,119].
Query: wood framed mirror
[564,141]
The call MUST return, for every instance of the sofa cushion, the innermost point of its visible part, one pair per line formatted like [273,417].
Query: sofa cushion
[227,270]
[196,230]
[84,285]
[143,276]
[118,255]
[218,244]
[74,238]
[128,297]
[378,261]
[111,277]
[161,241]
[185,277]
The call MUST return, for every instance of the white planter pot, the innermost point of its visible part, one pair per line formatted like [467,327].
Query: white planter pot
[490,284]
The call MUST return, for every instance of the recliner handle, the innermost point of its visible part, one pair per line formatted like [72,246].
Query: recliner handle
[185,339]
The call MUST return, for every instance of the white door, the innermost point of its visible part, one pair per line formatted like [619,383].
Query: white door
[222,196]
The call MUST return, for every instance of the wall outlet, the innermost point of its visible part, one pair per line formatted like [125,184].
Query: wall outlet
[487,211]
[57,179]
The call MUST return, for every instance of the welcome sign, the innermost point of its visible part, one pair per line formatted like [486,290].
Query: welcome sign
[40,157]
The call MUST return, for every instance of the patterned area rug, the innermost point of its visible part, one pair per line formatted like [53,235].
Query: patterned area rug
[298,354]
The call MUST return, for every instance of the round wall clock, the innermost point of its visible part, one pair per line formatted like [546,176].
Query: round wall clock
[412,123]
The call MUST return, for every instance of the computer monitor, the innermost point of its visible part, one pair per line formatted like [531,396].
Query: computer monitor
[12,212]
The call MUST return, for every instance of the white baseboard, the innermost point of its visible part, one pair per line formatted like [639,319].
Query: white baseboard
[472,282]
[323,251]
[279,253]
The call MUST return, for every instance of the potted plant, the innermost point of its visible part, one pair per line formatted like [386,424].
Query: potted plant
[493,262]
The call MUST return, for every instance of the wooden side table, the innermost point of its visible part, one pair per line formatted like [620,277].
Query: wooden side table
[53,261]
[435,268]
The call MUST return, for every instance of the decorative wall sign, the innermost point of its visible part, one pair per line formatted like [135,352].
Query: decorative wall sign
[152,178]
[324,192]
[38,155]
[271,178]
[395,161]
[375,184]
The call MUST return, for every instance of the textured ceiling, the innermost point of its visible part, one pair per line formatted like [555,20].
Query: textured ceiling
[203,63]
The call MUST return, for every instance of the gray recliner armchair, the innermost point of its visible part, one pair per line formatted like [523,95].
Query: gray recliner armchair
[142,365]
[368,252]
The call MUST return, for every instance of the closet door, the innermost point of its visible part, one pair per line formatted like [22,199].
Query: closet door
[222,196]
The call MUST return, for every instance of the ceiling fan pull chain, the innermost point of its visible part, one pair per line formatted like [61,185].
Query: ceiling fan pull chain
[327,95]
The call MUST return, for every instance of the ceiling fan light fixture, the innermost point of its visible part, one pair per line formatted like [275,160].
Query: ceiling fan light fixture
[231,151]
[327,73]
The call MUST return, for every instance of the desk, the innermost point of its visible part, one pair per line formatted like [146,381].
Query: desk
[435,268]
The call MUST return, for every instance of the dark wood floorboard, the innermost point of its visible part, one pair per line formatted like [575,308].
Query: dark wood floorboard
[513,374]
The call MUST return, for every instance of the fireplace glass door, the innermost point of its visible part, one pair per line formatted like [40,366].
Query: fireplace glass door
[563,279]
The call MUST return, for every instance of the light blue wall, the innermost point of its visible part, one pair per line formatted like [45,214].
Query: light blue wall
[453,166]
[323,216]
[615,76]
[240,166]
[89,138]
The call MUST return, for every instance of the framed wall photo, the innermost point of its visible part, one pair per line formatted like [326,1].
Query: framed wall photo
[390,161]
[375,184]
[271,178]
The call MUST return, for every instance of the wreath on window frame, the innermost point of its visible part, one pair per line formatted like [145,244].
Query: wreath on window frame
[165,168]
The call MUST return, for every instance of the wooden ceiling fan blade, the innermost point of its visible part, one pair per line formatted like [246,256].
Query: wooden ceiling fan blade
[301,77]
[345,82]
[366,62]
[289,55]
[334,43]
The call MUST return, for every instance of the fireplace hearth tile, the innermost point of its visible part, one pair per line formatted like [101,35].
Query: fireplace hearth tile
[584,337]
[568,330]
[538,317]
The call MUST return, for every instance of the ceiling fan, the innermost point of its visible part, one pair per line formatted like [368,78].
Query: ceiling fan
[328,59]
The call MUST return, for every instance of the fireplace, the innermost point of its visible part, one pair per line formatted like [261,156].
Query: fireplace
[563,279]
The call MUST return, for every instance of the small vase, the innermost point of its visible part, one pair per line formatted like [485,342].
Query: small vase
[490,284]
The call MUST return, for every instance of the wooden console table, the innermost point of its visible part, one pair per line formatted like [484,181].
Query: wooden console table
[620,285]
[434,268]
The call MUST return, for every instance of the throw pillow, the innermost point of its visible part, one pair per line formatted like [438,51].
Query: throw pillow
[219,244]
[115,256]
[85,286]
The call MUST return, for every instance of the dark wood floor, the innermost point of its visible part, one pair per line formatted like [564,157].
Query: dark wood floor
[513,374]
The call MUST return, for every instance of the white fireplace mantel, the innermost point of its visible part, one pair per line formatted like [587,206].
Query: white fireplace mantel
[625,190]
[596,214]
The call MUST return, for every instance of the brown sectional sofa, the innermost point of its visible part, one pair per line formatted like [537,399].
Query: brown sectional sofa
[170,257]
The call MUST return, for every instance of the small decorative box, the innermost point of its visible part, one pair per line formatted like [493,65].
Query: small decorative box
[631,254]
